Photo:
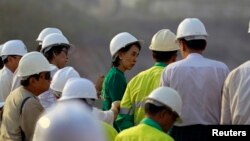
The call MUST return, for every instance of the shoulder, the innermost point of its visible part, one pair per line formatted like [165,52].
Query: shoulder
[216,63]
[240,70]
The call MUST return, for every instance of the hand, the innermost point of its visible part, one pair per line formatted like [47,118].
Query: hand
[98,84]
[115,107]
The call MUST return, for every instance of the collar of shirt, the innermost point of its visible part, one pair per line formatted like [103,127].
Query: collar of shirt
[151,123]
[115,68]
[161,64]
[7,69]
[194,55]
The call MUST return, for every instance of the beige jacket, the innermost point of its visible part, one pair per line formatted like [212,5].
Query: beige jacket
[13,122]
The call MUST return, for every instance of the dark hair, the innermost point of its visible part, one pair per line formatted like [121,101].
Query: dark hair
[1,63]
[55,49]
[163,56]
[116,59]
[26,83]
[39,47]
[6,59]
[152,109]
[198,45]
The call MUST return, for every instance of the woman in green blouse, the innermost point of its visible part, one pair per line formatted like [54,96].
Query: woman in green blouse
[124,49]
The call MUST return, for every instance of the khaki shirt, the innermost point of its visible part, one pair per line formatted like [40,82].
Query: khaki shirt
[13,122]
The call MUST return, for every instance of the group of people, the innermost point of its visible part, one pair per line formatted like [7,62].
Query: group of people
[42,99]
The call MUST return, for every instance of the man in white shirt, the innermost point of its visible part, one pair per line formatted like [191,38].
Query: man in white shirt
[199,81]
[235,99]
[55,48]
[11,54]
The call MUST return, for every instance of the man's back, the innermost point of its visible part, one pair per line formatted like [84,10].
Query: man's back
[199,81]
[137,90]
[143,132]
[13,122]
[235,100]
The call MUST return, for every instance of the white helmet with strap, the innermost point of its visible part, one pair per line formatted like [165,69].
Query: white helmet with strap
[191,29]
[166,96]
[68,121]
[79,88]
[164,40]
[33,63]
[54,39]
[47,31]
[13,47]
[121,40]
[61,77]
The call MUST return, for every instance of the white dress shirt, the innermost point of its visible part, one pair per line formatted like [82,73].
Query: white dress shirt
[199,82]
[236,96]
[106,116]
[6,77]
[47,99]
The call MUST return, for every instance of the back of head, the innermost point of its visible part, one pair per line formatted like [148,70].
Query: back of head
[166,96]
[191,29]
[79,88]
[33,63]
[14,47]
[61,77]
[47,31]
[68,121]
[164,41]
[54,40]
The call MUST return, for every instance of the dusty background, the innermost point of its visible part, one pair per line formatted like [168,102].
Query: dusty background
[91,24]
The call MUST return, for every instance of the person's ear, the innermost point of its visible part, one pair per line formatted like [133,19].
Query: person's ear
[120,55]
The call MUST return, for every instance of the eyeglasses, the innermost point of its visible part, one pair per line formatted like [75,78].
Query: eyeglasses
[47,75]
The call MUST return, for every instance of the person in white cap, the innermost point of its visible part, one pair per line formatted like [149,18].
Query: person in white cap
[68,121]
[46,31]
[22,107]
[11,53]
[235,98]
[164,51]
[40,38]
[60,78]
[163,109]
[84,90]
[55,48]
[124,49]
[80,88]
[198,80]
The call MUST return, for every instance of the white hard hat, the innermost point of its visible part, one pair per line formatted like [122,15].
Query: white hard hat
[191,29]
[33,63]
[61,76]
[53,39]
[14,47]
[1,47]
[68,121]
[164,40]
[79,88]
[1,104]
[120,41]
[47,31]
[166,96]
